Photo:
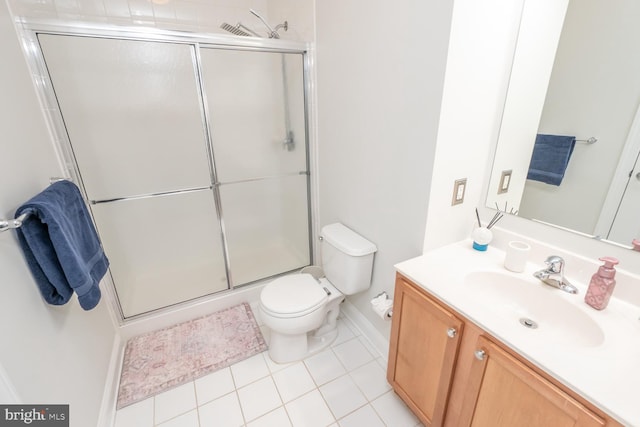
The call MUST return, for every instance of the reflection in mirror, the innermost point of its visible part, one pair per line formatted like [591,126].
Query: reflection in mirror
[593,91]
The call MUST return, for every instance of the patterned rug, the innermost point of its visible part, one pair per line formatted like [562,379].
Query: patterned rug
[163,359]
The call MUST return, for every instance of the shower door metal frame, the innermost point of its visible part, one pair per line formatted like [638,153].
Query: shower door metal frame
[30,29]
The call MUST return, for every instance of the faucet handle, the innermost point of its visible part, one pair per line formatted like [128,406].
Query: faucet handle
[555,264]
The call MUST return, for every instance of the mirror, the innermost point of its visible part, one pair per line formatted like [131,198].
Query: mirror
[575,74]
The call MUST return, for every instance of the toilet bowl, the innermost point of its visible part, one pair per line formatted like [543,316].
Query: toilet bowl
[301,322]
[301,311]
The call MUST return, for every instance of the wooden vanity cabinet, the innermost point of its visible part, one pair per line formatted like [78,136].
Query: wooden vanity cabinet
[424,344]
[503,391]
[470,378]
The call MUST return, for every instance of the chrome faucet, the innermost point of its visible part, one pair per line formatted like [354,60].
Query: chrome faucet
[553,275]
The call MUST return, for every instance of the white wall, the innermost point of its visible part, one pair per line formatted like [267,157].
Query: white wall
[50,354]
[299,16]
[483,37]
[8,393]
[380,72]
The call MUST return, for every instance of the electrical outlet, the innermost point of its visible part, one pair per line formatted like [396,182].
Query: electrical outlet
[459,186]
[505,180]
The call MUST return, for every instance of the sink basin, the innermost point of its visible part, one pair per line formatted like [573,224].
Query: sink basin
[541,309]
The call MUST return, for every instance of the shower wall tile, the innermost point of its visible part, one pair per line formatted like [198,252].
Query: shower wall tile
[233,3]
[187,12]
[67,6]
[117,9]
[92,8]
[211,16]
[164,12]
[141,9]
[181,15]
[299,16]
[43,8]
[38,3]
[216,15]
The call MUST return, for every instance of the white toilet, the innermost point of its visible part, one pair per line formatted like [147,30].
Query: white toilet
[301,311]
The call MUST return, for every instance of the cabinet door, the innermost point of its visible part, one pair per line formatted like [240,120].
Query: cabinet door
[424,344]
[502,391]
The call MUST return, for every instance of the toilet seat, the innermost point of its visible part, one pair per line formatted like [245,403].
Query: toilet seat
[293,296]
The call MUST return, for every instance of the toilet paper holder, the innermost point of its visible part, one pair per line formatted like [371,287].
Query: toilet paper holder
[382,299]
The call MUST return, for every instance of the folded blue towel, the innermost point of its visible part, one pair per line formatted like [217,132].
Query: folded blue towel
[551,154]
[61,246]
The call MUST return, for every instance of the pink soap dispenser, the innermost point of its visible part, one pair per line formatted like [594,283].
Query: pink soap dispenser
[602,284]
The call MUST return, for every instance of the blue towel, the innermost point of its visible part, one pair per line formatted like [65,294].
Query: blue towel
[551,154]
[61,246]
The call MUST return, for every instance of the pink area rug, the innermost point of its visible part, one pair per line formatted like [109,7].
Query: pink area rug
[163,359]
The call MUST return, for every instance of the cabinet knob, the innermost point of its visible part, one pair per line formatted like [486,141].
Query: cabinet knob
[452,332]
[479,354]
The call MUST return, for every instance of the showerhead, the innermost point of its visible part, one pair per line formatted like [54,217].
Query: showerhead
[242,30]
[239,30]
[273,33]
[257,15]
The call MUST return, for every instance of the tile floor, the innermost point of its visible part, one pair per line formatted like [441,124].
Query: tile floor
[343,386]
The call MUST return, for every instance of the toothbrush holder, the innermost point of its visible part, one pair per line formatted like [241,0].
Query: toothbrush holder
[481,237]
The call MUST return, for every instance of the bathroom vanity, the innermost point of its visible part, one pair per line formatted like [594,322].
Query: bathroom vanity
[474,344]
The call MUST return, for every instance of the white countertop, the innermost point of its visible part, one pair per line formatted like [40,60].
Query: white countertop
[605,370]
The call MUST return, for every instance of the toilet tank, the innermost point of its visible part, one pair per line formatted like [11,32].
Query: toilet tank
[347,258]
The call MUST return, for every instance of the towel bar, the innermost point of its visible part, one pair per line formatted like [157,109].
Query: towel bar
[589,141]
[8,224]
[12,223]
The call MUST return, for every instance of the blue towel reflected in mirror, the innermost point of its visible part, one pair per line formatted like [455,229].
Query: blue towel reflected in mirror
[551,155]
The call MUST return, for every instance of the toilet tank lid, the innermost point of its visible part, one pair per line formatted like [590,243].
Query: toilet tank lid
[347,240]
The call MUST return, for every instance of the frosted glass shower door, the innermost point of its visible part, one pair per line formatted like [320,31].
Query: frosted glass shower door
[255,103]
[266,223]
[132,112]
[134,115]
[163,250]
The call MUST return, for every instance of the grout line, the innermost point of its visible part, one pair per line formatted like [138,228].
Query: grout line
[335,420]
[360,388]
[352,326]
[244,417]
[275,384]
[177,415]
[375,411]
[287,412]
[355,410]
[195,393]
[309,372]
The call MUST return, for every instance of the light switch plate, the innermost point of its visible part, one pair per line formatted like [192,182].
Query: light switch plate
[505,180]
[459,187]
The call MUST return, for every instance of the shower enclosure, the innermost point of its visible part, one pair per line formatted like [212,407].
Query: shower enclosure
[192,152]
